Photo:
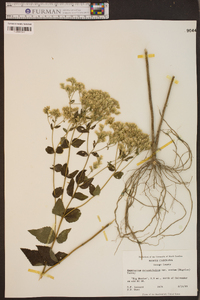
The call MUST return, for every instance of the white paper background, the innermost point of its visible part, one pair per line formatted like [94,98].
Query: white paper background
[102,55]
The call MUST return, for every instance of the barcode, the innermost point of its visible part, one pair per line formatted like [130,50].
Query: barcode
[18,28]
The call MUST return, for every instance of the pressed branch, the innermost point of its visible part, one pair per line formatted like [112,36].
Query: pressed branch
[78,247]
[95,108]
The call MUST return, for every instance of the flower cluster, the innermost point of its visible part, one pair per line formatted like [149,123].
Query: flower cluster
[69,112]
[97,163]
[99,105]
[101,134]
[129,138]
[54,113]
[74,87]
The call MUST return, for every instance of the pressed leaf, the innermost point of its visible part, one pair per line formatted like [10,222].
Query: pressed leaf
[58,208]
[47,255]
[80,177]
[81,129]
[57,126]
[95,154]
[59,150]
[49,150]
[76,114]
[72,215]
[65,143]
[71,175]
[63,236]
[57,168]
[70,187]
[65,130]
[97,191]
[64,170]
[91,189]
[51,125]
[118,175]
[92,127]
[45,235]
[58,192]
[111,167]
[88,125]
[129,157]
[77,143]
[82,153]
[60,255]
[33,256]
[86,183]
[80,196]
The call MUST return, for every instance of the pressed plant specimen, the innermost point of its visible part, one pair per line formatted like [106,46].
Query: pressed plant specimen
[156,199]
[84,131]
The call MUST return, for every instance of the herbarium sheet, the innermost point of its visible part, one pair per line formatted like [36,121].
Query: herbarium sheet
[100,158]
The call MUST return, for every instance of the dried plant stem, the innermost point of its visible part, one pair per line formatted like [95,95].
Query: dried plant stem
[153,187]
[65,214]
[153,149]
[163,112]
[81,245]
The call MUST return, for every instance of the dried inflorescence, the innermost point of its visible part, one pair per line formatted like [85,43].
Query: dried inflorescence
[89,125]
[129,138]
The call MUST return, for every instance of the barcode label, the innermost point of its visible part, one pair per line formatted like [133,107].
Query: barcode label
[18,27]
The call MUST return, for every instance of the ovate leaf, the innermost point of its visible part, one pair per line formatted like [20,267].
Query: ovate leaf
[47,255]
[58,192]
[97,191]
[82,153]
[71,175]
[70,187]
[80,177]
[65,143]
[45,235]
[63,236]
[86,183]
[76,114]
[91,189]
[95,154]
[49,150]
[81,129]
[59,150]
[72,215]
[111,167]
[64,170]
[65,130]
[92,127]
[77,143]
[129,157]
[60,255]
[57,168]
[118,175]
[33,256]
[58,208]
[80,196]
